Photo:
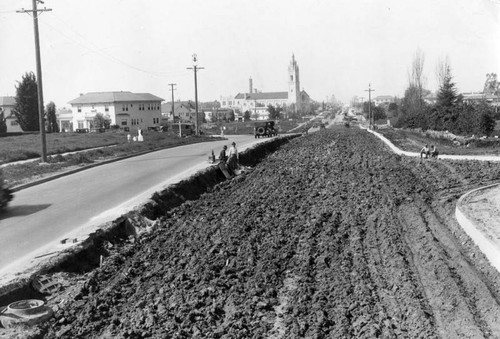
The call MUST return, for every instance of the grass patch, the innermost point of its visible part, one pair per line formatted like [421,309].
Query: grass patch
[413,141]
[17,174]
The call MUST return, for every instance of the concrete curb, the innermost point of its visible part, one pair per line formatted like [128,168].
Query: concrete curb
[396,150]
[490,249]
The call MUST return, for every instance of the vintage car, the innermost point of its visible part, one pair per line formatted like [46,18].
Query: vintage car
[265,129]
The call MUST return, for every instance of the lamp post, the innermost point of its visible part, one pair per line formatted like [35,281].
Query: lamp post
[195,68]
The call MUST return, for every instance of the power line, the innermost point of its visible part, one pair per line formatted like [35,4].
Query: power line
[98,50]
[35,11]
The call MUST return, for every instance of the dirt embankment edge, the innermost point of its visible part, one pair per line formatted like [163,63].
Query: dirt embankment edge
[88,254]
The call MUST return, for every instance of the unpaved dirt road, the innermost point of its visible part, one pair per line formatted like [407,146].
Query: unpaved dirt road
[332,236]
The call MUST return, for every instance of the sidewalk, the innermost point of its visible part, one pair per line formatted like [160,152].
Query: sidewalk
[477,212]
[441,156]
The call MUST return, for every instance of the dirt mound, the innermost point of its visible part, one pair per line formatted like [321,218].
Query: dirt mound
[330,236]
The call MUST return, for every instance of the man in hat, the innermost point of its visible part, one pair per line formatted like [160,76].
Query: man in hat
[233,158]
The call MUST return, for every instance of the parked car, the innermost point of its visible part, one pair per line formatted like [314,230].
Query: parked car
[265,129]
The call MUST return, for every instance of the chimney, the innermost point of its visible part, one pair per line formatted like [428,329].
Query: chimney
[250,85]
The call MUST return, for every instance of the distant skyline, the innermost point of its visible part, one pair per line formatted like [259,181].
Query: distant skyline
[341,46]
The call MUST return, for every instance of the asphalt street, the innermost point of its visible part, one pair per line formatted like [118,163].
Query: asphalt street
[41,216]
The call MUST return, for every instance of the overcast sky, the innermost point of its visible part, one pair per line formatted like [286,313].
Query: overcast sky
[340,45]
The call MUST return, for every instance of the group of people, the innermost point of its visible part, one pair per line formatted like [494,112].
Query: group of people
[230,158]
[429,152]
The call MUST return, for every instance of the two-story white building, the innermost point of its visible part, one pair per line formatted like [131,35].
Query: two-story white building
[7,105]
[383,100]
[125,109]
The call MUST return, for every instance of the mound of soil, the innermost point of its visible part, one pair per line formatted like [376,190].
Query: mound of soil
[332,236]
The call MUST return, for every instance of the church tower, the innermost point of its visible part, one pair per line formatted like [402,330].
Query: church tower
[294,84]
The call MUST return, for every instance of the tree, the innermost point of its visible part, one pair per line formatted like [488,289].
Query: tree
[53,127]
[413,105]
[492,87]
[273,112]
[101,121]
[246,115]
[3,124]
[447,95]
[392,110]
[26,108]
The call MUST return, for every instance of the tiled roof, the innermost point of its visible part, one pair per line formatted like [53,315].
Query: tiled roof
[263,96]
[7,101]
[112,97]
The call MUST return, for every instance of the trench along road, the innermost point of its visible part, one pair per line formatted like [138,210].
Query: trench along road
[40,217]
[333,236]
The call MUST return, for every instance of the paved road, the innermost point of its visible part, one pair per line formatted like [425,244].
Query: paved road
[41,216]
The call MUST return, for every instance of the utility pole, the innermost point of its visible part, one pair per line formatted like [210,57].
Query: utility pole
[39,74]
[173,109]
[195,68]
[369,90]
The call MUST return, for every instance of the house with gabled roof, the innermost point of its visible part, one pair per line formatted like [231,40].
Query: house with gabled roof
[126,109]
[183,110]
[7,105]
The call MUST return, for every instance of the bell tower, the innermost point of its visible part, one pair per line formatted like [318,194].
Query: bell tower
[294,84]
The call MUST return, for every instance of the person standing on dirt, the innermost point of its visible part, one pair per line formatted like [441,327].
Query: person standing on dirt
[424,151]
[222,155]
[233,157]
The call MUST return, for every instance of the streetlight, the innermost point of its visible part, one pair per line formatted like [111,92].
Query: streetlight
[195,68]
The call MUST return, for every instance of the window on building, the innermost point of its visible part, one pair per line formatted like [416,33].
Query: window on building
[106,108]
[124,122]
[92,106]
[14,123]
[291,77]
[80,124]
[79,109]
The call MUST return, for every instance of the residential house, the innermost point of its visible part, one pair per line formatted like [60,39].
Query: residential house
[183,110]
[7,105]
[471,97]
[383,100]
[64,118]
[125,109]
